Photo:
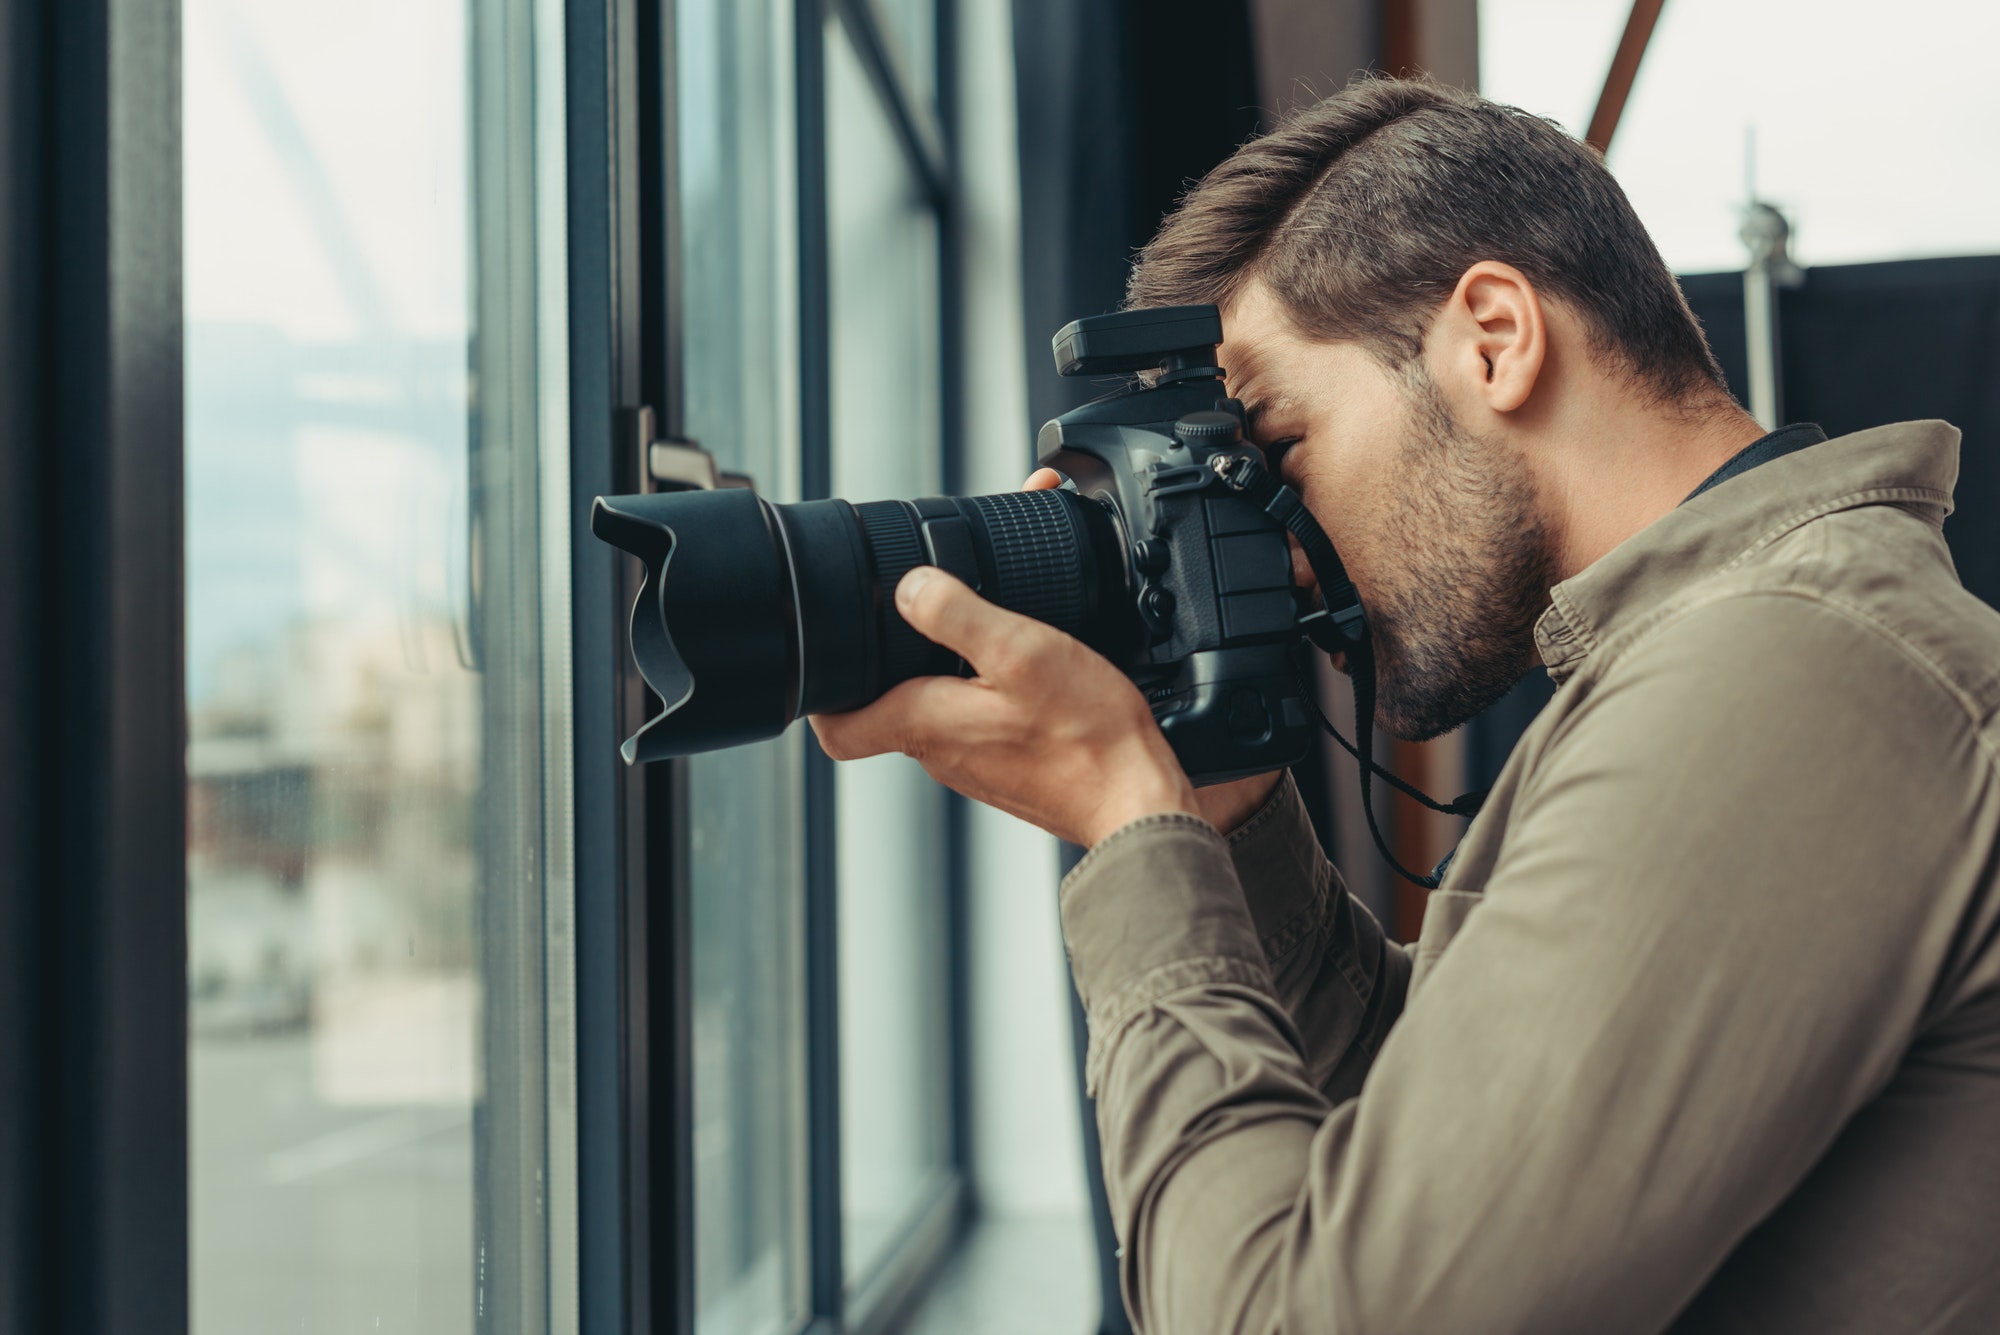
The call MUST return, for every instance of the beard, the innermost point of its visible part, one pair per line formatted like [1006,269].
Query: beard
[1453,620]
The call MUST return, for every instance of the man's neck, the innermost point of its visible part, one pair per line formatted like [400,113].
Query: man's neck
[1618,467]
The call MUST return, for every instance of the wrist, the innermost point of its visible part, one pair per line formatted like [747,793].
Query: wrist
[1228,805]
[1155,794]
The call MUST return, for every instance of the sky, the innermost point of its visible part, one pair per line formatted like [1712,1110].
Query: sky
[1877,126]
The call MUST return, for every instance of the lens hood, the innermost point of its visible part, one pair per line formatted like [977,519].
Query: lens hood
[714,563]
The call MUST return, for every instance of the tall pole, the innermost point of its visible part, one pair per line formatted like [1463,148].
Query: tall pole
[1767,236]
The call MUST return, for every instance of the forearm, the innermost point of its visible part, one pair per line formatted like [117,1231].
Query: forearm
[1339,977]
[1207,1113]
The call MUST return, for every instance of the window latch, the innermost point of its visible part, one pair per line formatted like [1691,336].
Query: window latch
[675,463]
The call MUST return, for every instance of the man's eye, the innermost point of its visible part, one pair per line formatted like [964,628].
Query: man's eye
[1274,453]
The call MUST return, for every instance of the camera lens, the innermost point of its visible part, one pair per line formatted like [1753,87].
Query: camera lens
[754,613]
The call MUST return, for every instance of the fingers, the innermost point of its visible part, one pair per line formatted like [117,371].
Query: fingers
[1042,479]
[912,718]
[941,608]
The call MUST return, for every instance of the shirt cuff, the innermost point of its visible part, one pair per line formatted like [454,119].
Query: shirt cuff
[1154,909]
[1288,884]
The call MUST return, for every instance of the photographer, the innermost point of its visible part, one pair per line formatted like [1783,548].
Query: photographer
[1703,1030]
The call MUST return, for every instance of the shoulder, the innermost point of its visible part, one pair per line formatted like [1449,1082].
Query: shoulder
[1714,706]
[1857,614]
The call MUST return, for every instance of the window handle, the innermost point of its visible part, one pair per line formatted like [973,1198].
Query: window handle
[676,463]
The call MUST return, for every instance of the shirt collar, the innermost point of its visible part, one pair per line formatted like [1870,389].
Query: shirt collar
[1913,464]
[1771,445]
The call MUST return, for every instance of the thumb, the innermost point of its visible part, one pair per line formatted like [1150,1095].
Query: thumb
[941,608]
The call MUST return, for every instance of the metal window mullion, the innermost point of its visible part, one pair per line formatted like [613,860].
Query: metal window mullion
[827,1286]
[615,1167]
[93,1039]
[668,889]
[958,811]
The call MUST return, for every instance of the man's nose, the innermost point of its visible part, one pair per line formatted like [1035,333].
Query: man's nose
[1302,571]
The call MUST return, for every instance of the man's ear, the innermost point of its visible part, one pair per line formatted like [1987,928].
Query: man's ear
[1495,339]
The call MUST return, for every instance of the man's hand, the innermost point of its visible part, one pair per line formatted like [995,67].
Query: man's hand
[1223,805]
[1048,731]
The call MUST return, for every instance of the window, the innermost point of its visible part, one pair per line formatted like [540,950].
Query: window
[809,252]
[739,303]
[381,1125]
[895,1116]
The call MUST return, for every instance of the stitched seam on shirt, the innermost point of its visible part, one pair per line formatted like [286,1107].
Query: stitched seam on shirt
[1312,921]
[1265,815]
[1117,1011]
[1869,496]
[1936,671]
[1587,635]
[1577,624]
[1354,975]
[1289,936]
[1173,819]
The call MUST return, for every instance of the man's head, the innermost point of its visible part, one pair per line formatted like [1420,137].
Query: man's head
[1428,301]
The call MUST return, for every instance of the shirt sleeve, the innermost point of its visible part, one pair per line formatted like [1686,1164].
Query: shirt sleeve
[1702,949]
[1334,970]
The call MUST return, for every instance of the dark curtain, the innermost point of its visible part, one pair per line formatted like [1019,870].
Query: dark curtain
[1861,345]
[1122,105]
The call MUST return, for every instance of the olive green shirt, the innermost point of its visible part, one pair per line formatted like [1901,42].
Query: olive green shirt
[1703,1029]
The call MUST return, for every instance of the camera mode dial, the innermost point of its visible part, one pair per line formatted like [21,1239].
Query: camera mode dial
[1204,432]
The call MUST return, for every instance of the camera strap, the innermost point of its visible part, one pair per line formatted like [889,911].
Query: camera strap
[1342,627]
[1343,623]
[1361,670]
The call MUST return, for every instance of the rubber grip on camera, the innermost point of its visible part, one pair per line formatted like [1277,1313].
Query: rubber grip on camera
[1037,556]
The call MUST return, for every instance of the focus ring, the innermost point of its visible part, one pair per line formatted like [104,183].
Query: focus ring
[1035,556]
[890,529]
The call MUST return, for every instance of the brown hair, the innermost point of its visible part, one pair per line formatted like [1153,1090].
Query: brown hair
[1362,212]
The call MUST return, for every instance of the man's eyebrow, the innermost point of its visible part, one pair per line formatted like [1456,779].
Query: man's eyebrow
[1257,409]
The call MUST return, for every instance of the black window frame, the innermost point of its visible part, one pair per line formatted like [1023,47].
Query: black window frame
[634,1006]
[93,1085]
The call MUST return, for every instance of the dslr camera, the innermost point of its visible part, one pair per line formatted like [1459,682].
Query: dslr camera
[1164,549]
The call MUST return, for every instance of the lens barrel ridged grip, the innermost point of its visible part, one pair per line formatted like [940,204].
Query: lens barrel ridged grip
[1036,556]
[893,541]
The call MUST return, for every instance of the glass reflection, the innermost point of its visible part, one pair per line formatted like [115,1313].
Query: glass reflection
[364,765]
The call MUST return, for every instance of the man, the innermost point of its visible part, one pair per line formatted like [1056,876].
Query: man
[1703,1029]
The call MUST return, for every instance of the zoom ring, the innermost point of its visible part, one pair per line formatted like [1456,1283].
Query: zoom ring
[891,532]
[1037,566]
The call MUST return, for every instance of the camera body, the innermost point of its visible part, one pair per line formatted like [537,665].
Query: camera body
[1214,619]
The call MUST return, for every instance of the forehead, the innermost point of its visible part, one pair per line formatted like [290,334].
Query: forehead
[1270,365]
[1267,363]
[1254,332]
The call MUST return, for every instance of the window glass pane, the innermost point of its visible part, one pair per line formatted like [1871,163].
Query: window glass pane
[378,832]
[1883,174]
[883,249]
[910,29]
[739,302]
